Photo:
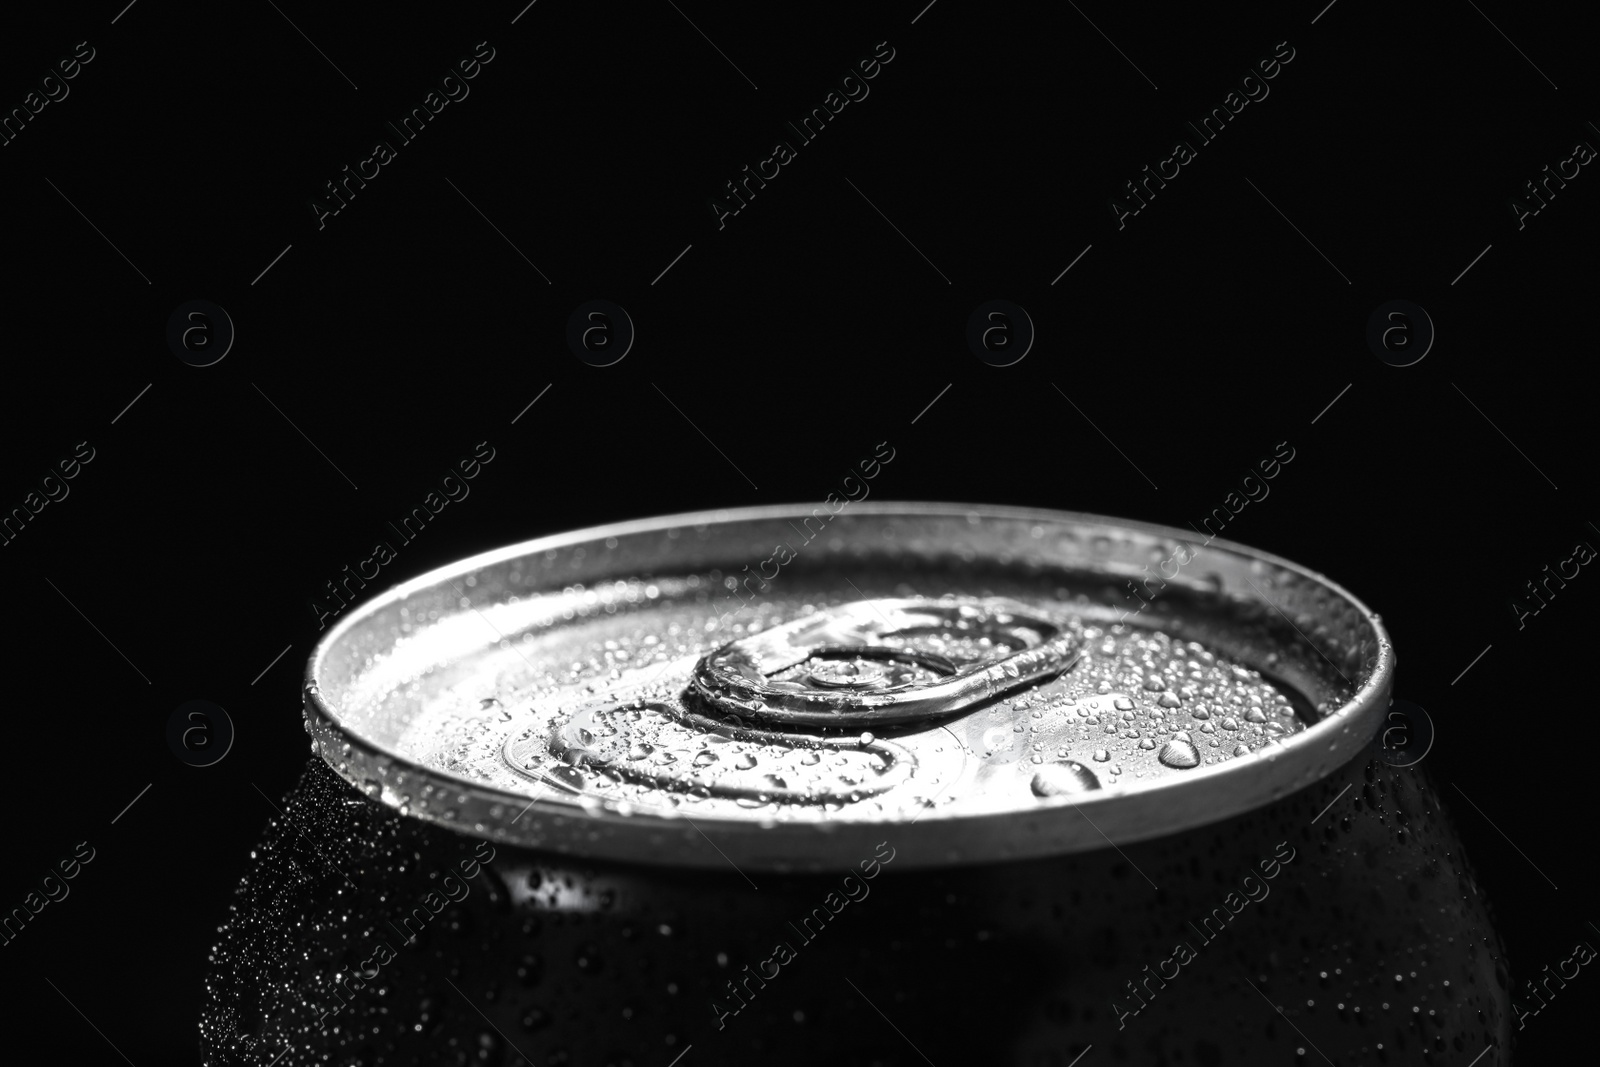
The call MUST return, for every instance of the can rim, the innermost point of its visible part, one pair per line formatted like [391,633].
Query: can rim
[1117,816]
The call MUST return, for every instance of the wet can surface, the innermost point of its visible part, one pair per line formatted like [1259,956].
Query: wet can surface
[908,783]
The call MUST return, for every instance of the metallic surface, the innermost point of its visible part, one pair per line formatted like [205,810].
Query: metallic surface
[484,602]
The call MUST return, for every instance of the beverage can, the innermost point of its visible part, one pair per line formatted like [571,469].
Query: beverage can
[788,783]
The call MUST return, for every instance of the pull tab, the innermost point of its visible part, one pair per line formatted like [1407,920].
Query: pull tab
[874,663]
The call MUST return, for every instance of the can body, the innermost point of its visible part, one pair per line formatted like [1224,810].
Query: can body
[1051,841]
[1364,927]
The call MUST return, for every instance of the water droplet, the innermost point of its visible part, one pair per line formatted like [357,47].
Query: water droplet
[705,759]
[1101,755]
[1230,723]
[1256,715]
[866,738]
[1154,685]
[567,776]
[1169,699]
[1179,754]
[1242,750]
[1122,704]
[745,761]
[810,759]
[639,750]
[1064,778]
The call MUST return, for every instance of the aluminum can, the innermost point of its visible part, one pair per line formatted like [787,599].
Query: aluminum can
[889,783]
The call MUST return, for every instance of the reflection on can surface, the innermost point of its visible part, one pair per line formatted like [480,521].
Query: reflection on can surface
[932,792]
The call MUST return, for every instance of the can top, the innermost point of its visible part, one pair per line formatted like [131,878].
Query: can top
[976,684]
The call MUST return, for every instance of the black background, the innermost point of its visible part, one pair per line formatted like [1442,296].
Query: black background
[795,338]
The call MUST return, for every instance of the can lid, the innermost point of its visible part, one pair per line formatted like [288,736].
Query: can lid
[966,682]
